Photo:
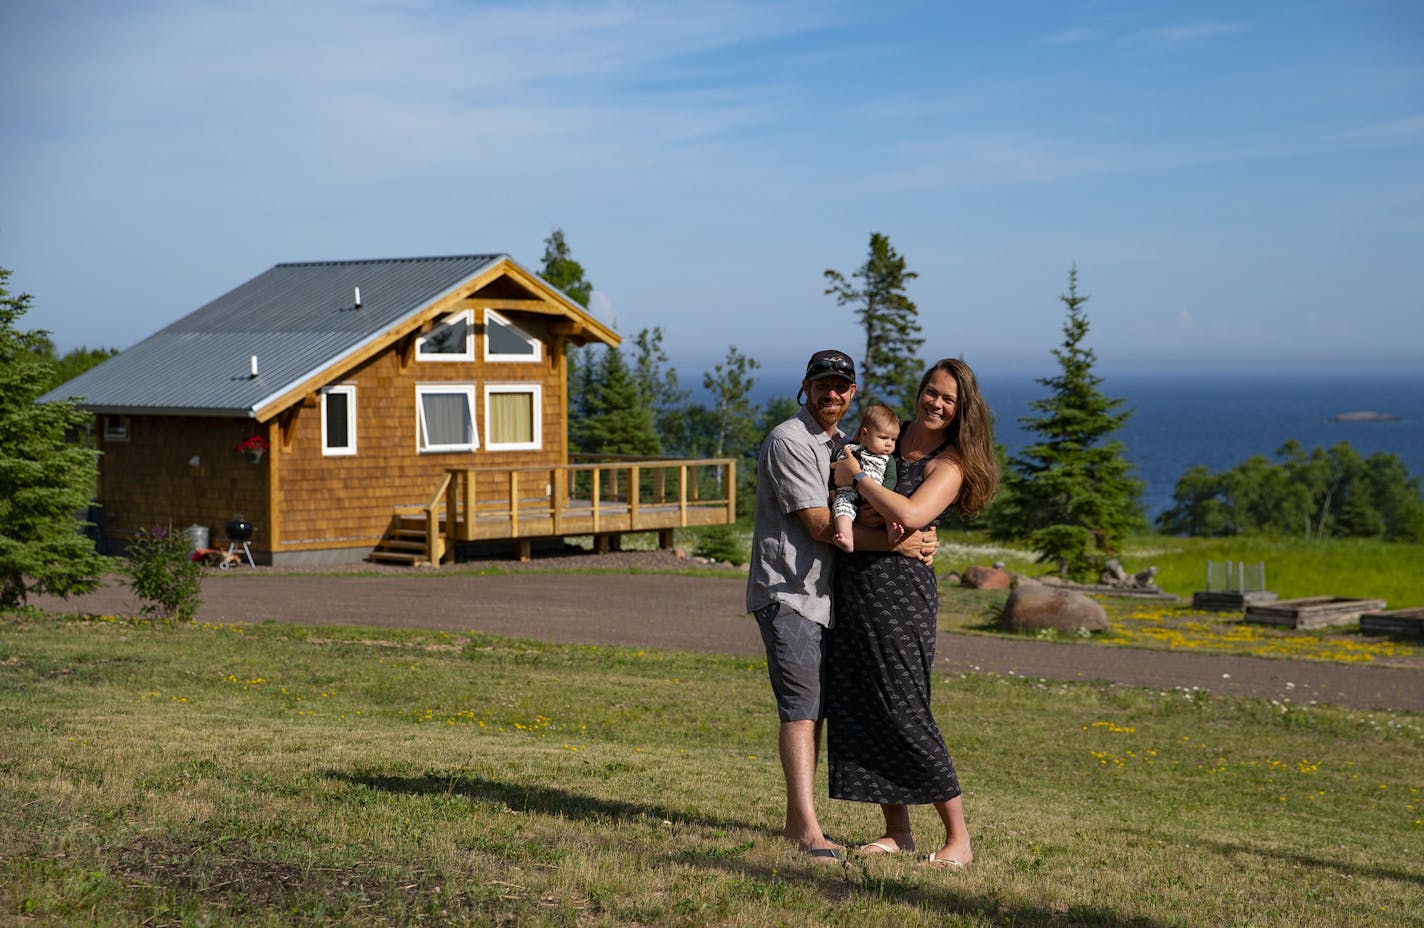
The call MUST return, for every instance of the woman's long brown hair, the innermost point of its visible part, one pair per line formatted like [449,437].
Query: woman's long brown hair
[972,433]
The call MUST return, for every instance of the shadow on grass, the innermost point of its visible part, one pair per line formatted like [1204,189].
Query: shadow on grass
[835,884]
[527,797]
[856,881]
[1298,859]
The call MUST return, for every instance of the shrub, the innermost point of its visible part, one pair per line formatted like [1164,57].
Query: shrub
[162,572]
[722,543]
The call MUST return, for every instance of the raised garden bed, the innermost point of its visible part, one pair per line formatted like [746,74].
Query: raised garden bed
[1398,623]
[1312,611]
[1229,600]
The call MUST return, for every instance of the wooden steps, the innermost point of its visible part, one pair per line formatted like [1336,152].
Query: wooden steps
[405,542]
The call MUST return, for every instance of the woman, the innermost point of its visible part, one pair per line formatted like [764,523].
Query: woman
[883,743]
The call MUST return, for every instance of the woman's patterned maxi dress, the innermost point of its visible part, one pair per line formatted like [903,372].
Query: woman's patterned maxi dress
[883,744]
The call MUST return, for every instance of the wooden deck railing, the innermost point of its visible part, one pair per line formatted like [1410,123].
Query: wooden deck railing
[603,499]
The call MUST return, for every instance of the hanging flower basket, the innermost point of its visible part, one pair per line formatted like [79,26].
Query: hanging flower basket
[252,447]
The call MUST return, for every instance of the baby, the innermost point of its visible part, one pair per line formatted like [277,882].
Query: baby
[873,447]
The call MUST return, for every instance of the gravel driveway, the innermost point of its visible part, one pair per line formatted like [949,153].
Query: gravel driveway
[665,610]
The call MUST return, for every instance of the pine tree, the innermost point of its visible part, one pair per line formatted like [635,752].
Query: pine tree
[44,480]
[658,389]
[562,271]
[891,368]
[583,373]
[1071,494]
[618,421]
[733,412]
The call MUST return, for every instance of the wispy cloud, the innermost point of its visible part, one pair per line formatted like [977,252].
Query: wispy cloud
[1073,37]
[1191,32]
[1406,131]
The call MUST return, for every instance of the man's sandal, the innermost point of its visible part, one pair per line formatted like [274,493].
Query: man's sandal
[826,853]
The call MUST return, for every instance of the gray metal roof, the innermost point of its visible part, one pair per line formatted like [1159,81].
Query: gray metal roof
[298,319]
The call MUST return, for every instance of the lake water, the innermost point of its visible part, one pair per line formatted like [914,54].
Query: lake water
[1220,419]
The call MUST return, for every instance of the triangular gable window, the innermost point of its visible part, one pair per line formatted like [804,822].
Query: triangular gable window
[505,341]
[452,339]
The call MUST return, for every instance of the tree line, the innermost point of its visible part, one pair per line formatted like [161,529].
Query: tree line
[1318,493]
[1071,493]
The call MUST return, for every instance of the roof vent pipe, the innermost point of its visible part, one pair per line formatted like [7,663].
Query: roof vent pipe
[254,367]
[358,297]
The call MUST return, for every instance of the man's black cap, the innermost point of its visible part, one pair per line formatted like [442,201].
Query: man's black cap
[830,363]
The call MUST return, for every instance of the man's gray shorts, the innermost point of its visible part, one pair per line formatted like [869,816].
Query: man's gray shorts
[794,652]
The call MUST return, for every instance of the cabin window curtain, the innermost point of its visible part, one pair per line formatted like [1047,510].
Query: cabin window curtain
[512,416]
[447,420]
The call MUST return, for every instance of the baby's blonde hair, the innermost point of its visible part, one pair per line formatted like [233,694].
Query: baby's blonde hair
[876,415]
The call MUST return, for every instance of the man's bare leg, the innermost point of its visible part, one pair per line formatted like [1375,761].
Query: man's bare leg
[799,744]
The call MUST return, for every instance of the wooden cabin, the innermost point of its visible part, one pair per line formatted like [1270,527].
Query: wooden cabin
[391,409]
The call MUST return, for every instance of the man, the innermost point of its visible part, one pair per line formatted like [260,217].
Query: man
[789,583]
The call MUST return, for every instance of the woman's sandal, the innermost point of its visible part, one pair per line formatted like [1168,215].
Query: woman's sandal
[884,846]
[947,863]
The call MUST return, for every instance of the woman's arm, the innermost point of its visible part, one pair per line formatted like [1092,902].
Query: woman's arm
[943,478]
[919,546]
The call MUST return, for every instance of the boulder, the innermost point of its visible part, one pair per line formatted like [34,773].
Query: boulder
[1033,607]
[985,578]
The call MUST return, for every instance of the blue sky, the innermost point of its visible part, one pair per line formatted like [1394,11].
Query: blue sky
[1234,181]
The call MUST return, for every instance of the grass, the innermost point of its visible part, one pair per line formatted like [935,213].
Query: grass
[277,775]
[1295,567]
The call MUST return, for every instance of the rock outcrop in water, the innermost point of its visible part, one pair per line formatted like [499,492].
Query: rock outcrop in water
[1364,417]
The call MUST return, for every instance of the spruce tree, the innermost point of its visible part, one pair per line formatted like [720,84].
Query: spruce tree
[618,421]
[658,389]
[1071,494]
[891,368]
[44,479]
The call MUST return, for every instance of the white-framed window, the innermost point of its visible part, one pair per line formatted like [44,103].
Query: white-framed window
[338,421]
[513,417]
[445,417]
[116,428]
[452,339]
[505,341]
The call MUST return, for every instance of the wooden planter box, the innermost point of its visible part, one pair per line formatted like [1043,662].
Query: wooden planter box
[1398,623]
[1230,600]
[1313,611]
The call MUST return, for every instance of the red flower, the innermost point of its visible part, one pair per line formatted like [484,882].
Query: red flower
[252,443]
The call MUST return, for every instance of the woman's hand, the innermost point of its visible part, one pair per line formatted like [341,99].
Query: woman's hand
[845,470]
[919,546]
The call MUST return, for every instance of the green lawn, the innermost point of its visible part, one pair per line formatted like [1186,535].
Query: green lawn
[1295,567]
[276,775]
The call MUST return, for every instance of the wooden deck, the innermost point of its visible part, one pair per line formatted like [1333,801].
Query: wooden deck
[604,499]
